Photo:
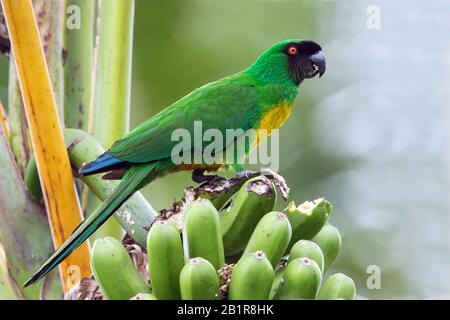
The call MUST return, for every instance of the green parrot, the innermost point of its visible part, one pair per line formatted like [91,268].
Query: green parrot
[260,97]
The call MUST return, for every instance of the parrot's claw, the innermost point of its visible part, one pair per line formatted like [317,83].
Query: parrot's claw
[199,177]
[246,174]
[277,179]
[272,175]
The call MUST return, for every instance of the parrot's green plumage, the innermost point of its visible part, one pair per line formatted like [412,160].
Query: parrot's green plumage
[259,97]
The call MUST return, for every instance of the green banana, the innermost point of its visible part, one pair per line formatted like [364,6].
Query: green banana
[307,219]
[219,199]
[307,249]
[114,270]
[301,280]
[31,179]
[199,281]
[201,233]
[254,199]
[220,192]
[277,280]
[252,278]
[165,260]
[144,296]
[302,248]
[329,240]
[271,235]
[337,286]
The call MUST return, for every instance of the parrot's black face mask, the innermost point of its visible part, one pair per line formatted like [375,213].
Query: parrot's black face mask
[305,60]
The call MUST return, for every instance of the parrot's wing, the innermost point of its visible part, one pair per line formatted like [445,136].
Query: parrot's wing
[230,103]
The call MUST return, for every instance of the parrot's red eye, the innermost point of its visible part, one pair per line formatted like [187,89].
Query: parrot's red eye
[292,51]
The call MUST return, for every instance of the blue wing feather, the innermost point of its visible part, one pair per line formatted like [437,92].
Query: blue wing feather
[103,163]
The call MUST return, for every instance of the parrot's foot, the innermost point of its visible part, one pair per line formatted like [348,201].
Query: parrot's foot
[199,177]
[275,177]
[246,174]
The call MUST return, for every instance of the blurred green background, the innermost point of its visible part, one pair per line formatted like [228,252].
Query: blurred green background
[372,135]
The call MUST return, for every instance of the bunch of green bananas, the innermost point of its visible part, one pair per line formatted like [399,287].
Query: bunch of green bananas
[278,255]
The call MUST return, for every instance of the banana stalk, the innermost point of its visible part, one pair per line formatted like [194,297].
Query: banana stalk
[255,198]
[114,270]
[337,286]
[199,281]
[329,241]
[201,233]
[31,180]
[272,236]
[136,215]
[252,278]
[165,260]
[307,219]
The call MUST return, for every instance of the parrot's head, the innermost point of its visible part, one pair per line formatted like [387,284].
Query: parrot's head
[291,61]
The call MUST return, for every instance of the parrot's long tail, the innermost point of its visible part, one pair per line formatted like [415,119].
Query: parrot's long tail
[133,180]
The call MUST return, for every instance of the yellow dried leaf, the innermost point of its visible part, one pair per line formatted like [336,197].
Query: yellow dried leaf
[4,120]
[55,172]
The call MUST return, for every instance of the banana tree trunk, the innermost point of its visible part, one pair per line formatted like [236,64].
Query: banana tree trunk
[78,64]
[112,83]
[24,230]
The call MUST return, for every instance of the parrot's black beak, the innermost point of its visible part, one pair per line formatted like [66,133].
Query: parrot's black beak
[319,63]
[316,65]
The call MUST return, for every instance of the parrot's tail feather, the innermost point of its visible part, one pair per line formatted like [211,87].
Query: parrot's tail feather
[132,181]
[106,162]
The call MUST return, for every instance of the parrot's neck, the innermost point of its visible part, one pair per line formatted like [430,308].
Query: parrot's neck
[276,87]
[274,95]
[275,72]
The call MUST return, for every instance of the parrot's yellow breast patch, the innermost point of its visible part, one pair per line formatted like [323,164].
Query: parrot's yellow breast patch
[271,120]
